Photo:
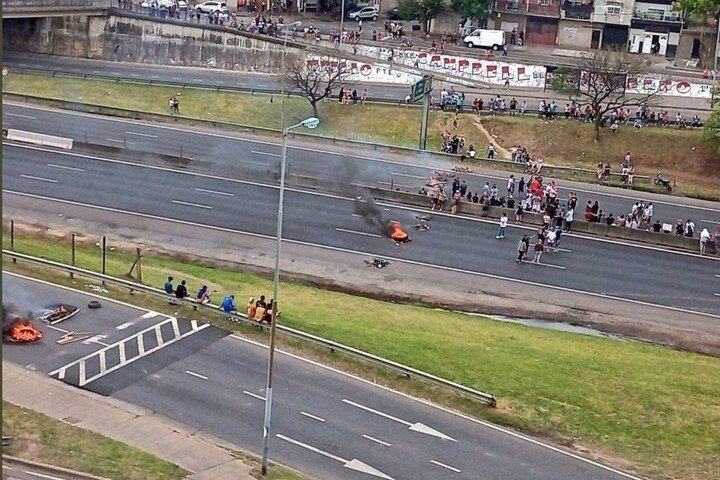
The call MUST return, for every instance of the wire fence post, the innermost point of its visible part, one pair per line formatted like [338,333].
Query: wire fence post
[72,252]
[12,238]
[138,259]
[104,254]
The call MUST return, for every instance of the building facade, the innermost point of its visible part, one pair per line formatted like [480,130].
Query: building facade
[595,23]
[655,28]
[533,22]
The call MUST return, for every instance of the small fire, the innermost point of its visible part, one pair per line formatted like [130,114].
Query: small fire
[397,233]
[24,331]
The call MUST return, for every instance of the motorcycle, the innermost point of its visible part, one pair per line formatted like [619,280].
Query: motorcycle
[661,182]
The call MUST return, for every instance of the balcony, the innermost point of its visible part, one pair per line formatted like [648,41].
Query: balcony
[507,6]
[577,10]
[667,16]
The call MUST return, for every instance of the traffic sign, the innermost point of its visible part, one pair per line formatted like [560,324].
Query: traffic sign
[423,86]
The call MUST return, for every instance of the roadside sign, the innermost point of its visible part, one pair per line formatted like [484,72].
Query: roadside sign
[423,86]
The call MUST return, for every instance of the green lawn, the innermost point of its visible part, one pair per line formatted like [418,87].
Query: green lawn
[45,439]
[636,405]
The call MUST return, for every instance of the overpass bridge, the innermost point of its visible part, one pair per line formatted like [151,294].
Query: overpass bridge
[53,8]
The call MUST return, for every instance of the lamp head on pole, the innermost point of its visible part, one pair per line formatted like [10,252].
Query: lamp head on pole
[310,123]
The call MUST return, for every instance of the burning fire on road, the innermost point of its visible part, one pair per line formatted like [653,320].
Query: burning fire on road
[19,329]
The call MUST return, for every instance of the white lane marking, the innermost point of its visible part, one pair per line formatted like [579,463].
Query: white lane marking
[119,141]
[64,167]
[103,362]
[20,115]
[269,154]
[373,439]
[125,325]
[309,415]
[717,294]
[711,221]
[190,204]
[358,233]
[216,192]
[150,314]
[407,175]
[140,134]
[456,470]
[158,336]
[32,177]
[264,164]
[295,147]
[254,395]
[540,264]
[353,464]
[40,475]
[141,345]
[121,351]
[365,254]
[54,327]
[196,375]
[415,427]
[476,421]
[414,209]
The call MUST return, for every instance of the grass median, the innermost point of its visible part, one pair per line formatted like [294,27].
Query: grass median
[44,439]
[638,406]
[680,154]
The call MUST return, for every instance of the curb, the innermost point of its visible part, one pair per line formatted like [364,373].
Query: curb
[33,463]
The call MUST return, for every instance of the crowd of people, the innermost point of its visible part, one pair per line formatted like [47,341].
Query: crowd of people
[259,310]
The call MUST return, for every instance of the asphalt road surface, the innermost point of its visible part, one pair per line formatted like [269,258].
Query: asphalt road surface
[325,423]
[233,157]
[603,268]
[688,107]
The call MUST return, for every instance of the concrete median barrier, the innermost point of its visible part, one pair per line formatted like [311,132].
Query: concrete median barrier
[39,139]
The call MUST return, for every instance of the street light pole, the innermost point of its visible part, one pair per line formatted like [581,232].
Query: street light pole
[342,20]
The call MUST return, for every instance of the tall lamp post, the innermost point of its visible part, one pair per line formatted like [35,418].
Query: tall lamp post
[310,123]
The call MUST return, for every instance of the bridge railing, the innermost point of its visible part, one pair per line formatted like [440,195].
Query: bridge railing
[39,4]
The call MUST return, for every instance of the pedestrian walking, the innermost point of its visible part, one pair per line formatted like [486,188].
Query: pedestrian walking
[538,250]
[569,218]
[521,248]
[491,151]
[503,226]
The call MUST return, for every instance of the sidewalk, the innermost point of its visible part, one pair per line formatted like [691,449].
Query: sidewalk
[209,458]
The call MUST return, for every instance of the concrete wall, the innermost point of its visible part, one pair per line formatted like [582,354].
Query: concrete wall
[138,40]
[575,34]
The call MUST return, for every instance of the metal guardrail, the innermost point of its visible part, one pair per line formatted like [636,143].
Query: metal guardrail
[39,4]
[239,317]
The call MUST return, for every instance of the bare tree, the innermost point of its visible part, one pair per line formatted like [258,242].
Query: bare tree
[604,80]
[315,80]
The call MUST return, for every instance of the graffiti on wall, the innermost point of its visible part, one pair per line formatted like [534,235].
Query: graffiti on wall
[665,85]
[361,71]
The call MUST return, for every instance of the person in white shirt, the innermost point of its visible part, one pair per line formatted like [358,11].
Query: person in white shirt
[550,236]
[503,226]
[569,218]
[704,239]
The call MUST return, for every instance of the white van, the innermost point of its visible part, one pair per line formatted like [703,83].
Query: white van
[494,39]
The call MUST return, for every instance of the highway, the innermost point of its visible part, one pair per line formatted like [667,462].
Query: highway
[606,269]
[235,157]
[326,423]
[215,77]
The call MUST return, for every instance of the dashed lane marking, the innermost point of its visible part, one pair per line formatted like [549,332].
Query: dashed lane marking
[203,377]
[190,204]
[309,415]
[373,439]
[215,192]
[344,230]
[439,464]
[540,264]
[42,179]
[65,167]
[254,395]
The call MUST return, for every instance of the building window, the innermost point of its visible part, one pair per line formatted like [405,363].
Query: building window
[614,9]
[544,3]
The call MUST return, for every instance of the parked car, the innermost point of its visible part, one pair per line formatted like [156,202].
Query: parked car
[494,39]
[211,7]
[365,13]
[182,4]
[394,14]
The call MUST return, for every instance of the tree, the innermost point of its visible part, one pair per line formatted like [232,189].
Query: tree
[711,132]
[701,11]
[601,81]
[424,10]
[315,83]
[475,10]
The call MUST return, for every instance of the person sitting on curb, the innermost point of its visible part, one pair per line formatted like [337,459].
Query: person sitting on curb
[169,289]
[181,290]
[260,311]
[203,295]
[250,308]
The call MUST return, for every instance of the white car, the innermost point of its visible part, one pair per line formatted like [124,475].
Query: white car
[365,13]
[182,4]
[211,7]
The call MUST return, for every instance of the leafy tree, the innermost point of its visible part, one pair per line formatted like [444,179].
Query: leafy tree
[711,133]
[600,80]
[424,10]
[475,10]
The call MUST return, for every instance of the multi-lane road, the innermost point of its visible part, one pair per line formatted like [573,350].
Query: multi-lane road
[325,423]
[215,77]
[599,267]
[235,157]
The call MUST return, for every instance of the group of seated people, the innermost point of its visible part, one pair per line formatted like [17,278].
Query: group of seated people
[258,310]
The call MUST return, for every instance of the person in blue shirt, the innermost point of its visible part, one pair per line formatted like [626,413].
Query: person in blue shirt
[228,304]
[169,289]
